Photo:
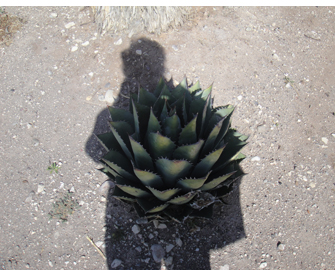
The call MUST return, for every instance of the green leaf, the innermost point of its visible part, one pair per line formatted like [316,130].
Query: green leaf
[164,95]
[194,87]
[171,127]
[143,160]
[205,116]
[164,113]
[225,126]
[219,113]
[159,87]
[189,184]
[143,113]
[203,167]
[153,124]
[109,141]
[146,98]
[164,195]
[149,178]
[160,146]
[210,142]
[197,107]
[128,187]
[152,206]
[172,170]
[188,135]
[122,138]
[180,89]
[136,123]
[188,152]
[120,194]
[183,198]
[118,163]
[206,92]
[121,115]
[215,182]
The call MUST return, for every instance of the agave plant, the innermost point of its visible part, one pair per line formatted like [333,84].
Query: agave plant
[172,154]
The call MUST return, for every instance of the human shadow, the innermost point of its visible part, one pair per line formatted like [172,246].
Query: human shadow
[143,65]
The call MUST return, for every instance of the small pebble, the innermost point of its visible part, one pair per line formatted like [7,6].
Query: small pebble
[136,229]
[86,43]
[142,221]
[151,236]
[139,52]
[225,267]
[256,158]
[281,247]
[72,190]
[325,140]
[312,185]
[288,85]
[169,261]
[139,249]
[158,252]
[156,223]
[106,187]
[239,97]
[53,15]
[101,98]
[40,188]
[263,265]
[109,96]
[179,242]
[119,42]
[69,25]
[74,48]
[162,226]
[99,243]
[174,47]
[275,56]
[116,263]
[169,247]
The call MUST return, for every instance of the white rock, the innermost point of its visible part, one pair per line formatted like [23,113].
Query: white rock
[158,252]
[106,187]
[239,97]
[179,242]
[86,43]
[281,247]
[119,42]
[40,188]
[256,158]
[156,223]
[275,56]
[99,243]
[333,134]
[162,226]
[136,229]
[174,47]
[139,52]
[72,190]
[69,25]
[91,74]
[116,263]
[169,247]
[288,85]
[53,15]
[74,48]
[225,267]
[325,140]
[109,96]
[312,185]
[263,265]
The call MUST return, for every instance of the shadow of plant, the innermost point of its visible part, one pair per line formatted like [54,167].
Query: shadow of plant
[193,240]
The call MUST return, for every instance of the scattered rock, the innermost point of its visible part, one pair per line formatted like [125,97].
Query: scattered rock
[107,85]
[288,85]
[109,96]
[175,48]
[99,243]
[162,226]
[276,57]
[116,263]
[256,158]
[72,190]
[53,15]
[74,48]
[101,98]
[169,261]
[156,223]
[151,236]
[139,52]
[312,185]
[147,260]
[158,252]
[280,246]
[119,42]
[225,267]
[142,221]
[179,242]
[30,197]
[239,97]
[86,43]
[69,25]
[263,265]
[325,140]
[106,187]
[169,247]
[136,229]
[36,142]
[40,188]
[139,249]
[261,128]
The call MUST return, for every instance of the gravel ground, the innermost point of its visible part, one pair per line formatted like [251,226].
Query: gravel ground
[275,64]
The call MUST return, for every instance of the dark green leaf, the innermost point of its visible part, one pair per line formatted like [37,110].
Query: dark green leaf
[171,127]
[164,195]
[204,166]
[122,138]
[164,113]
[194,87]
[188,135]
[160,146]
[120,194]
[149,178]
[121,115]
[159,87]
[136,123]
[180,89]
[183,198]
[189,184]
[152,206]
[215,182]
[172,170]
[210,142]
[146,98]
[188,152]
[143,160]
[109,141]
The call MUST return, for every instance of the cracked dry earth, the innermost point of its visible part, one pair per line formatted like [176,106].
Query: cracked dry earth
[275,64]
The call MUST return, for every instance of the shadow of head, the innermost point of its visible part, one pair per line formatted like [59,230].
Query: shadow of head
[143,64]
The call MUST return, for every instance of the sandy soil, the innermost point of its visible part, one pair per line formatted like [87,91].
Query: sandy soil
[275,64]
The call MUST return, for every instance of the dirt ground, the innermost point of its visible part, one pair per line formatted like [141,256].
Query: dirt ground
[276,64]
